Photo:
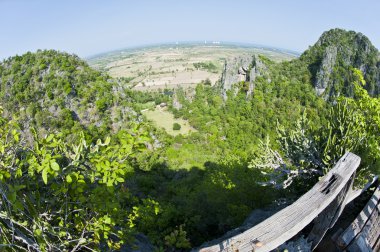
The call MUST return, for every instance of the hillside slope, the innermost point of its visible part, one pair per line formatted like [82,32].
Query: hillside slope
[332,57]
[53,90]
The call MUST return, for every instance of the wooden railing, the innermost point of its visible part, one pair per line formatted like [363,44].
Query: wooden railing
[322,206]
[363,234]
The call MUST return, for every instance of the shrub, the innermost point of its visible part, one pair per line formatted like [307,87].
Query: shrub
[176,126]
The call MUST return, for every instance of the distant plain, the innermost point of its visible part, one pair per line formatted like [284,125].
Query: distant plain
[169,66]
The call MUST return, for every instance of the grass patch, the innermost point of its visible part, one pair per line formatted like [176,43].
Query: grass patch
[164,119]
[187,156]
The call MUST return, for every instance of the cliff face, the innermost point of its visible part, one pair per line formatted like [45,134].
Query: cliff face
[332,57]
[258,68]
[241,69]
[325,69]
[235,71]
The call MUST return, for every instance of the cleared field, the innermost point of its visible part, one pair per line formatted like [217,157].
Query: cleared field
[169,66]
[164,119]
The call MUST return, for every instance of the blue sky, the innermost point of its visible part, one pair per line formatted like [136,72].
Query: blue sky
[87,27]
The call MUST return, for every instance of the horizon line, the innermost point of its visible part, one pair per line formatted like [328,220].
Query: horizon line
[196,42]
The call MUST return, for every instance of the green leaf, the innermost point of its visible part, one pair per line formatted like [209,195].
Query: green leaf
[49,138]
[54,165]
[107,219]
[62,234]
[69,179]
[120,180]
[144,138]
[82,241]
[44,175]
[107,141]
[110,182]
[38,232]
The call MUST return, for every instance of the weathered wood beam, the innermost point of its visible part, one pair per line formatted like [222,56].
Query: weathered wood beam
[328,217]
[364,231]
[285,224]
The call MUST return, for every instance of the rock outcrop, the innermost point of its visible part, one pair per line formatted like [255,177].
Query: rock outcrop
[331,58]
[176,103]
[325,70]
[244,68]
[258,68]
[235,70]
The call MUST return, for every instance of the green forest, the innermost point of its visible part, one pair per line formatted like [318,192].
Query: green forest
[82,169]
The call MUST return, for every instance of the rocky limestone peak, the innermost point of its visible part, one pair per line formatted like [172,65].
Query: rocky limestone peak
[334,54]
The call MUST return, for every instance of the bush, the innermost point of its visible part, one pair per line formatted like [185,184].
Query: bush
[101,104]
[176,126]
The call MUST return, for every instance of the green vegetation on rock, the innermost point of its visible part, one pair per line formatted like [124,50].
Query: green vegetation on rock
[330,59]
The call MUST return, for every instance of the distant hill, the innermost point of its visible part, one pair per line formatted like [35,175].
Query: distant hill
[54,90]
[330,59]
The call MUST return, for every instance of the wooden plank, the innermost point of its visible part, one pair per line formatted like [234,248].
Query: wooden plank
[360,244]
[327,218]
[372,228]
[285,224]
[369,215]
[376,247]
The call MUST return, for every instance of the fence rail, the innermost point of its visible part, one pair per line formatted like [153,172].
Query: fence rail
[322,205]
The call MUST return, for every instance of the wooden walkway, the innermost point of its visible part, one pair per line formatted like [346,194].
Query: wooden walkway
[322,204]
